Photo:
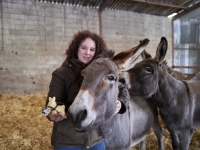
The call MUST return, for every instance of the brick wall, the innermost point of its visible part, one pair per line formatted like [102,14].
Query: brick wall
[34,35]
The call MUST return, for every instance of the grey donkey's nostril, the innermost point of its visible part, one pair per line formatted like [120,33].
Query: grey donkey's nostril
[78,117]
[82,115]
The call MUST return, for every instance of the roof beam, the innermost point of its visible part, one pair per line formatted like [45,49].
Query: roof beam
[104,4]
[186,11]
[160,4]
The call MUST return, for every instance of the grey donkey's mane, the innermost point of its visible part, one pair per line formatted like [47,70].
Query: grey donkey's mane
[107,62]
[106,54]
[169,70]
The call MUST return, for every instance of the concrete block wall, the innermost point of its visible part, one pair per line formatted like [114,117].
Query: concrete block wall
[34,35]
[123,30]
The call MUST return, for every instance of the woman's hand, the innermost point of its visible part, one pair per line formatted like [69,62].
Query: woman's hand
[56,117]
[118,106]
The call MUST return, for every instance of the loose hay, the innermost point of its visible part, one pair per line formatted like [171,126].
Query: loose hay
[23,127]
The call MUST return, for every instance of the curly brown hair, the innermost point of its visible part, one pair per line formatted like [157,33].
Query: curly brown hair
[79,38]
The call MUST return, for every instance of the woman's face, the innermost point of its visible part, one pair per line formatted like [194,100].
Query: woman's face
[86,50]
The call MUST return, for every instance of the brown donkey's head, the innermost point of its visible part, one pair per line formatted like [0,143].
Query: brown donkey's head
[143,78]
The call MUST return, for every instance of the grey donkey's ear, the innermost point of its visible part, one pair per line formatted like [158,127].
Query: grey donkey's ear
[145,55]
[161,49]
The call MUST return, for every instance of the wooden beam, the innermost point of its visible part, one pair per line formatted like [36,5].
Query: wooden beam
[186,11]
[100,23]
[160,4]
[103,5]
[172,25]
[191,67]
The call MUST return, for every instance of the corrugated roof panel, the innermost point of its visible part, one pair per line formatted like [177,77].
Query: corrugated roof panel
[152,7]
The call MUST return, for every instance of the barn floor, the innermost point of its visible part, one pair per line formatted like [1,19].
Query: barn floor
[23,127]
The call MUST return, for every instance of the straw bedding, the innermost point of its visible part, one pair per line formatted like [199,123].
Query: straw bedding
[23,127]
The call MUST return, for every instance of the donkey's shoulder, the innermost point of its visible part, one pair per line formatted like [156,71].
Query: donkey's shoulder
[194,77]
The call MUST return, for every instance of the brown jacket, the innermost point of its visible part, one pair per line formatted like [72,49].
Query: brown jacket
[64,85]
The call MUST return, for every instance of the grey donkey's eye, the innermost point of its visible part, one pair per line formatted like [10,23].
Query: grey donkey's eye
[148,70]
[110,78]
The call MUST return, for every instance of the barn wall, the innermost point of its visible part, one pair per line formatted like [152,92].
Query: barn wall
[34,36]
[123,30]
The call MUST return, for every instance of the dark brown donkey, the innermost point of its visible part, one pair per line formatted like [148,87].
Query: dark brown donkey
[178,100]
[95,104]
[178,74]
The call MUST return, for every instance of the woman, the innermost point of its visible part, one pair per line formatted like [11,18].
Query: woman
[65,84]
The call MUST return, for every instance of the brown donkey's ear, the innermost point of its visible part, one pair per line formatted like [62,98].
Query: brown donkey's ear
[161,49]
[124,59]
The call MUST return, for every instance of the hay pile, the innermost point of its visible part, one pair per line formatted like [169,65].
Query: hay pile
[23,127]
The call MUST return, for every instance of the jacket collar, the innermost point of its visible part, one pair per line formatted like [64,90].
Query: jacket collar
[74,64]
